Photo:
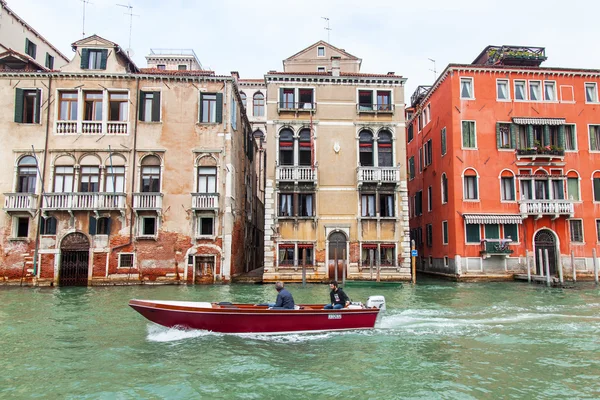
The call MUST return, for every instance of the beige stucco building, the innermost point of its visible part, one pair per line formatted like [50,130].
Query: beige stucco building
[336,195]
[119,174]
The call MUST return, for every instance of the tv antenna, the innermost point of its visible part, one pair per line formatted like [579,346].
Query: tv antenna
[131,15]
[83,24]
[327,28]
[434,70]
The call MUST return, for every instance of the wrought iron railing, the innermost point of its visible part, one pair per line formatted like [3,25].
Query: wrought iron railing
[496,246]
[540,152]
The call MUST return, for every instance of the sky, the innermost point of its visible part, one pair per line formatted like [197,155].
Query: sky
[253,37]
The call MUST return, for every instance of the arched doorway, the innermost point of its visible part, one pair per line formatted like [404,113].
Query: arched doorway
[545,240]
[337,255]
[74,260]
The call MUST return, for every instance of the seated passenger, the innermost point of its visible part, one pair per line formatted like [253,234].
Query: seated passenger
[284,298]
[339,299]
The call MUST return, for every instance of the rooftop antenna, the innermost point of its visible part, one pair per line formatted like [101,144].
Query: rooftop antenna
[434,70]
[131,15]
[327,28]
[84,3]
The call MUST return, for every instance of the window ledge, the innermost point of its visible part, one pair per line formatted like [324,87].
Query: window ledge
[147,237]
[19,239]
[205,237]
[207,123]
[578,243]
[469,148]
[28,123]
[467,98]
[508,149]
[151,122]
[471,200]
[504,100]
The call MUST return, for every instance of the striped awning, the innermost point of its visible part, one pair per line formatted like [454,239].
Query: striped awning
[493,218]
[539,121]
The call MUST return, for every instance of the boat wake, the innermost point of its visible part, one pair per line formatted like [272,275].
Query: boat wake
[157,333]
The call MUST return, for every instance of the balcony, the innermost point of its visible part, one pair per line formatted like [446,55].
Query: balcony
[378,175]
[147,202]
[92,127]
[301,106]
[83,201]
[368,108]
[539,208]
[19,202]
[540,152]
[205,201]
[495,247]
[300,174]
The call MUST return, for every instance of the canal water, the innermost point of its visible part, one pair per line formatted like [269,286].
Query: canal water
[438,340]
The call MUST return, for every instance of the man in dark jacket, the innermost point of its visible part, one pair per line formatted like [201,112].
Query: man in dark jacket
[339,299]
[284,298]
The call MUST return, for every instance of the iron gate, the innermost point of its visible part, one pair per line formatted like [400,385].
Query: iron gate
[544,240]
[74,260]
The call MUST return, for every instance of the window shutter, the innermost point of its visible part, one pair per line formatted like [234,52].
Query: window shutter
[92,226]
[85,58]
[561,136]
[26,46]
[38,104]
[443,141]
[219,108]
[19,97]
[513,136]
[498,138]
[465,133]
[592,134]
[141,105]
[104,56]
[156,107]
[546,135]
[281,97]
[530,135]
[108,223]
[596,189]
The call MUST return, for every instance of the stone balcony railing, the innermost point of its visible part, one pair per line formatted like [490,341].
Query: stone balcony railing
[205,201]
[83,201]
[92,127]
[147,201]
[378,175]
[495,247]
[19,202]
[540,152]
[296,174]
[539,208]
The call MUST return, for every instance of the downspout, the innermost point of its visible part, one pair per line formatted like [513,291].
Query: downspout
[39,203]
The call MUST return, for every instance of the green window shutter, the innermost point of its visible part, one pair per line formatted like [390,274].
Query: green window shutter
[513,136]
[219,108]
[443,141]
[511,231]
[492,231]
[592,138]
[85,58]
[156,107]
[465,133]
[498,135]
[561,136]
[200,109]
[19,98]
[281,97]
[108,223]
[546,135]
[92,225]
[26,46]
[530,135]
[473,234]
[141,105]
[104,56]
[596,189]
[38,105]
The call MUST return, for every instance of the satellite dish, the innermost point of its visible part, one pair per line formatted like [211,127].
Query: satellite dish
[130,52]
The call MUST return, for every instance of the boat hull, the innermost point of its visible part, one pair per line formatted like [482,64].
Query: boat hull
[253,319]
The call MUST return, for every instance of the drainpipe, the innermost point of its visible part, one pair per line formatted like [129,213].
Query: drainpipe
[39,203]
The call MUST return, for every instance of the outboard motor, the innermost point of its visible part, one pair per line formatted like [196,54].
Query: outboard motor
[376,301]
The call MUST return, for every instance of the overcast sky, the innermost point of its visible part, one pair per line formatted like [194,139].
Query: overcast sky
[254,36]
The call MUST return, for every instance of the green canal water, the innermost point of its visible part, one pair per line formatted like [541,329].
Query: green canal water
[438,340]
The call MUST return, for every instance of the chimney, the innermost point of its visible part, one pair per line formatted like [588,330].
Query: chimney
[335,66]
[391,73]
[235,75]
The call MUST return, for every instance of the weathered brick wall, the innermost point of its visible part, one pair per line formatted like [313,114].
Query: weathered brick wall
[47,266]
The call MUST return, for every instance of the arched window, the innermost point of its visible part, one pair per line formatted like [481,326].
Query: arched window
[286,147]
[470,189]
[542,190]
[596,185]
[384,149]
[507,186]
[114,178]
[365,143]
[207,175]
[64,174]
[259,104]
[305,148]
[444,189]
[89,180]
[150,182]
[27,175]
[243,97]
[573,186]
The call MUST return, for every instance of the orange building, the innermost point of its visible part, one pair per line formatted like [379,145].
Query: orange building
[504,161]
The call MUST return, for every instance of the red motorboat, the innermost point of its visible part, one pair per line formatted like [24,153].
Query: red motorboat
[250,318]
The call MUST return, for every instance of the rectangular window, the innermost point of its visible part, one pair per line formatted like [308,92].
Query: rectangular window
[473,233]
[287,98]
[466,88]
[365,100]
[209,108]
[368,253]
[429,199]
[150,179]
[535,93]
[27,106]
[386,205]
[507,188]
[549,91]
[90,180]
[573,188]
[410,132]
[321,51]
[504,137]
[286,254]
[570,138]
[30,48]
[469,139]
[429,235]
[306,204]
[148,226]
[520,93]
[491,231]
[386,254]
[596,189]
[320,69]
[93,106]
[118,106]
[95,59]
[511,231]
[598,230]
[22,227]
[206,225]
[161,67]
[207,180]
[367,205]
[541,189]
[558,191]
[523,137]
[63,179]
[305,99]
[286,205]
[49,61]
[305,251]
[470,189]
[427,153]
[114,180]
[182,67]
[384,100]
[411,167]
[149,106]
[576,228]
[67,109]
[591,92]
[594,131]
[125,260]
[103,226]
[526,191]
[443,133]
[48,226]
[444,232]
[420,159]
[419,203]
[502,89]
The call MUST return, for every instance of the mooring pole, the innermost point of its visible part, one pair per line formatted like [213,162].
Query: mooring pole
[413,263]
[539,268]
[371,254]
[547,267]
[344,267]
[560,272]
[303,267]
[573,266]
[595,266]
[378,266]
[335,274]
[528,266]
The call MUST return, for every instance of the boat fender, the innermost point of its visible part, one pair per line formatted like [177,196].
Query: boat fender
[376,302]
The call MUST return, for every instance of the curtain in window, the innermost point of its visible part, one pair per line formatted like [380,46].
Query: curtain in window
[309,205]
[526,190]
[471,187]
[541,189]
[285,206]
[549,91]
[502,92]
[368,205]
[465,91]
[558,192]
[519,91]
[590,93]
[573,188]
[507,189]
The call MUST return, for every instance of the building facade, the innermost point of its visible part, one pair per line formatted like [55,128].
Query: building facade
[336,197]
[123,174]
[503,159]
